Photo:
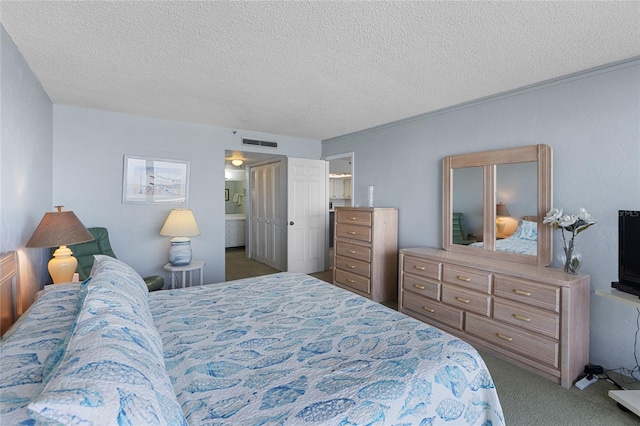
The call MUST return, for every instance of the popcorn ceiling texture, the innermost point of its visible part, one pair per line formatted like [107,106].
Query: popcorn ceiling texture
[310,69]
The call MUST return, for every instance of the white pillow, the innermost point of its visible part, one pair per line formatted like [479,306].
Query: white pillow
[527,230]
[112,371]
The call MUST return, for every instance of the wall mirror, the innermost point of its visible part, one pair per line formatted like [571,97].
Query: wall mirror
[494,203]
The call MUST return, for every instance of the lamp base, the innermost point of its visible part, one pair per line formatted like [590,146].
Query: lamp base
[500,227]
[62,266]
[180,251]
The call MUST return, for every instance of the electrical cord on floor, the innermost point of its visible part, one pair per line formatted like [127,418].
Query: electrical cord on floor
[626,372]
[604,376]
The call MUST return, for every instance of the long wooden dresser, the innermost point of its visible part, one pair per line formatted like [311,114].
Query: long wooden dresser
[366,251]
[532,316]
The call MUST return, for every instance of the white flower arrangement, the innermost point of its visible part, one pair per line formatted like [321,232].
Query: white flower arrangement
[573,223]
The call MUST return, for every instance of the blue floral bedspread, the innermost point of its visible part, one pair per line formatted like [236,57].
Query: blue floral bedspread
[514,245]
[26,346]
[290,349]
[280,349]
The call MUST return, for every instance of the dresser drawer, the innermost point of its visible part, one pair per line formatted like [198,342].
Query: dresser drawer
[529,292]
[530,345]
[432,310]
[474,279]
[424,268]
[352,250]
[525,316]
[354,281]
[465,299]
[354,266]
[354,217]
[361,233]
[422,286]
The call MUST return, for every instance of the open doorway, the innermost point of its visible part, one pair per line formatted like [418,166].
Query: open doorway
[249,238]
[341,183]
[238,264]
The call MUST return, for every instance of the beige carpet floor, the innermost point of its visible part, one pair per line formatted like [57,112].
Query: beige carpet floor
[527,399]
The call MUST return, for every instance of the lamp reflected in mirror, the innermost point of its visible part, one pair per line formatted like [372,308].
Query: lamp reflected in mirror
[501,213]
[506,224]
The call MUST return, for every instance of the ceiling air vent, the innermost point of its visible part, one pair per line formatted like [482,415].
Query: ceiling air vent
[256,142]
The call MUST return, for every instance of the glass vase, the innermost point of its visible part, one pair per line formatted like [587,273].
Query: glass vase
[571,259]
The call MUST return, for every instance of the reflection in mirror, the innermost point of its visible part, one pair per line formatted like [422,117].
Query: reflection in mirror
[500,196]
[467,199]
[516,193]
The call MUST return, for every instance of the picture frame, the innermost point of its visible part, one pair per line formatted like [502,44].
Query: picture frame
[149,180]
[226,194]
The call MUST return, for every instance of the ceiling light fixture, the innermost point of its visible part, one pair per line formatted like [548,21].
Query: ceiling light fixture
[237,162]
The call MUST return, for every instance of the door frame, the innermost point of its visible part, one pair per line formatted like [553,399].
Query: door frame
[353,162]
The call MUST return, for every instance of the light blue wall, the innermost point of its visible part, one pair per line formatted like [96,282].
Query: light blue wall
[592,123]
[26,166]
[89,146]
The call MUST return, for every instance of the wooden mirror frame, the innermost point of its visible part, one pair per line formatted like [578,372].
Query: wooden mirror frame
[489,160]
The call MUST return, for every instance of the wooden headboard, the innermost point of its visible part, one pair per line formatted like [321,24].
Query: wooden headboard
[8,268]
[530,218]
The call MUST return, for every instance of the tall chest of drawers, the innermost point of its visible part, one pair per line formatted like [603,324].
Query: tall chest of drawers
[366,251]
[532,316]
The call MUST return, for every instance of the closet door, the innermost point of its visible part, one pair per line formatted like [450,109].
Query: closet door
[265,214]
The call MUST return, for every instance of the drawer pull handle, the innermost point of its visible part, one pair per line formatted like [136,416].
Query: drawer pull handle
[523,318]
[428,309]
[418,286]
[350,281]
[352,218]
[352,232]
[352,266]
[352,252]
[460,299]
[503,337]
[522,292]
[463,278]
[420,268]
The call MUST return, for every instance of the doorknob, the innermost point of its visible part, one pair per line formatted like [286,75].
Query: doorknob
[290,223]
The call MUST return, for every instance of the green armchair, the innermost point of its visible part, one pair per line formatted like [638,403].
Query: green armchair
[84,252]
[460,234]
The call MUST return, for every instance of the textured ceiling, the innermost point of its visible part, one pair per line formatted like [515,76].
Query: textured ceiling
[310,69]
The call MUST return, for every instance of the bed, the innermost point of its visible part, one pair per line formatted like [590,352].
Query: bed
[523,241]
[280,349]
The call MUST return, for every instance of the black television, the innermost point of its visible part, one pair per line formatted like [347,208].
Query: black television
[628,252]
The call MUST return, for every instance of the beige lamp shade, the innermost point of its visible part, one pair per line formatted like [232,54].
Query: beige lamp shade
[59,229]
[502,210]
[180,223]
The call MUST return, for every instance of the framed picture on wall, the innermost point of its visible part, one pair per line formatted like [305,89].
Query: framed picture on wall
[147,180]
[226,194]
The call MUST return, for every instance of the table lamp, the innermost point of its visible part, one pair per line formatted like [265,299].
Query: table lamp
[181,225]
[501,212]
[59,229]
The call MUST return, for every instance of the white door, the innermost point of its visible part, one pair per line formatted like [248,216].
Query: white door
[307,215]
[265,217]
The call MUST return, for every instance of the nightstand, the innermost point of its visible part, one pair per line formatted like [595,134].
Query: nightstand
[193,266]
